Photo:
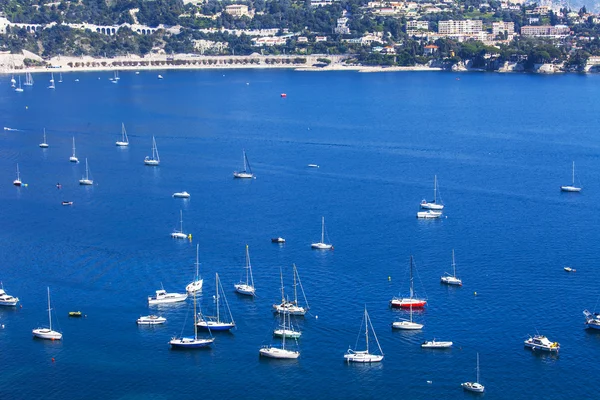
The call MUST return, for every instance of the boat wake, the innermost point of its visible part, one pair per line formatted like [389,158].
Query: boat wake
[10,129]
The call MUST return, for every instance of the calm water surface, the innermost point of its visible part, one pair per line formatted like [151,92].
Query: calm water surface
[501,145]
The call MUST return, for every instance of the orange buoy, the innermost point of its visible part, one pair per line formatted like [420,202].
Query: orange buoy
[53,359]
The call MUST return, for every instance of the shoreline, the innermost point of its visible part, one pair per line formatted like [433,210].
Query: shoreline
[14,63]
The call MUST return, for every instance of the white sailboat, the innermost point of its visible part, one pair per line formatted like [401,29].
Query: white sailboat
[85,180]
[364,356]
[322,245]
[433,205]
[19,89]
[60,77]
[474,386]
[28,79]
[47,333]
[571,187]
[280,352]
[287,331]
[124,139]
[73,158]
[247,171]
[291,307]
[246,287]
[155,159]
[179,234]
[218,322]
[407,324]
[13,82]
[44,144]
[451,279]
[52,81]
[17,182]
[196,284]
[191,342]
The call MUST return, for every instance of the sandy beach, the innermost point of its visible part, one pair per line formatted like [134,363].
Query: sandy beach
[15,63]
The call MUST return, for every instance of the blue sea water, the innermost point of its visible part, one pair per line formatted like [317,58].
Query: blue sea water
[501,146]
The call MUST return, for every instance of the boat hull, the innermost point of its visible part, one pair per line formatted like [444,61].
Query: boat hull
[287,333]
[274,352]
[181,195]
[151,320]
[73,159]
[244,289]
[215,326]
[179,235]
[243,175]
[407,325]
[573,189]
[86,182]
[152,163]
[190,343]
[407,303]
[473,387]
[289,309]
[46,334]
[278,240]
[436,345]
[122,144]
[195,286]
[9,303]
[363,358]
[321,246]
[450,280]
[429,214]
[44,145]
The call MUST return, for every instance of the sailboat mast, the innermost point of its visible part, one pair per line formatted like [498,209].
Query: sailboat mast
[477,368]
[411,277]
[180,218]
[453,264]
[73,146]
[435,188]
[49,313]
[295,288]
[284,333]
[281,279]
[197,263]
[217,299]
[573,173]
[322,229]
[367,329]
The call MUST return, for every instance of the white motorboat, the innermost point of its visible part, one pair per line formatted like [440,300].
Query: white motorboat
[181,195]
[429,214]
[592,321]
[44,144]
[433,205]
[17,182]
[151,320]
[571,187]
[179,234]
[281,352]
[541,342]
[411,301]
[160,76]
[153,160]
[364,356]
[569,269]
[162,297]
[85,180]
[451,279]
[246,286]
[6,299]
[313,165]
[47,333]
[291,307]
[191,342]
[222,320]
[124,142]
[407,324]
[434,344]
[279,240]
[474,386]
[322,245]
[196,284]
[73,158]
[247,171]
